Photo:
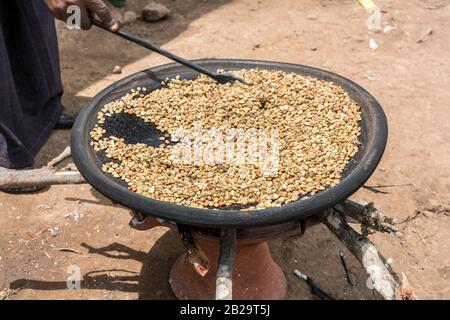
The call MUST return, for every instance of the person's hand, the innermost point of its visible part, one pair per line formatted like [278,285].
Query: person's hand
[98,7]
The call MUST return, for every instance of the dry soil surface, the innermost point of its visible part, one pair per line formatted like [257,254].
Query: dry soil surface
[410,78]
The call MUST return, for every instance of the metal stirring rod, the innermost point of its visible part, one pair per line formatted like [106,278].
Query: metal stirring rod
[219,77]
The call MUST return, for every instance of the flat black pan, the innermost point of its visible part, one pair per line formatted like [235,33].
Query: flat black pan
[373,142]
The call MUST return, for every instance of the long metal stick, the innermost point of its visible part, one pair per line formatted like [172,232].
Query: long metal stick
[224,280]
[219,77]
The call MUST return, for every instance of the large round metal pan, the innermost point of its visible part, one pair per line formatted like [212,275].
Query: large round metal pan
[373,141]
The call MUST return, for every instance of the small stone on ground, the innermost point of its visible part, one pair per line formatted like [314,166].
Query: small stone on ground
[129,17]
[117,70]
[153,12]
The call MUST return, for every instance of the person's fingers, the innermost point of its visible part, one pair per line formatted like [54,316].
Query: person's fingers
[85,19]
[98,7]
[58,9]
[102,11]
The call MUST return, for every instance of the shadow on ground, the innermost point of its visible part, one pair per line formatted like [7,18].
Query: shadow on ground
[155,265]
[319,261]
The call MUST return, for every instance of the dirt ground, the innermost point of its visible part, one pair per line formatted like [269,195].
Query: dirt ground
[410,78]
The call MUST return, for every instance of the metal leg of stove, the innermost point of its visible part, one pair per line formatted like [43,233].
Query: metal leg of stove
[224,280]
[196,255]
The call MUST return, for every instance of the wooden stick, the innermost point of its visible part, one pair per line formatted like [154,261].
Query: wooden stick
[10,178]
[368,216]
[405,292]
[64,155]
[344,265]
[390,185]
[364,250]
[315,289]
[67,250]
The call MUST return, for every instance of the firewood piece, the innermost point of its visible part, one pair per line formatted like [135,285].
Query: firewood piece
[405,292]
[366,253]
[67,250]
[344,265]
[368,216]
[315,289]
[10,178]
[64,155]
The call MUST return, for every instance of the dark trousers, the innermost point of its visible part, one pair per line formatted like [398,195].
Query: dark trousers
[30,81]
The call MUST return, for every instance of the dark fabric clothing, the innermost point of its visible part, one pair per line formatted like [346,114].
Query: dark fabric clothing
[4,159]
[30,82]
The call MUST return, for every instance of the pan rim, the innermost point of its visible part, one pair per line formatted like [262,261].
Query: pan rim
[85,161]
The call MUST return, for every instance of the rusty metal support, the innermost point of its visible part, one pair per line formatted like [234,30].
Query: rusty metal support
[196,255]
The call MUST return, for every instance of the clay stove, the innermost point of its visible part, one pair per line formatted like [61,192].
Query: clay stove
[226,250]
